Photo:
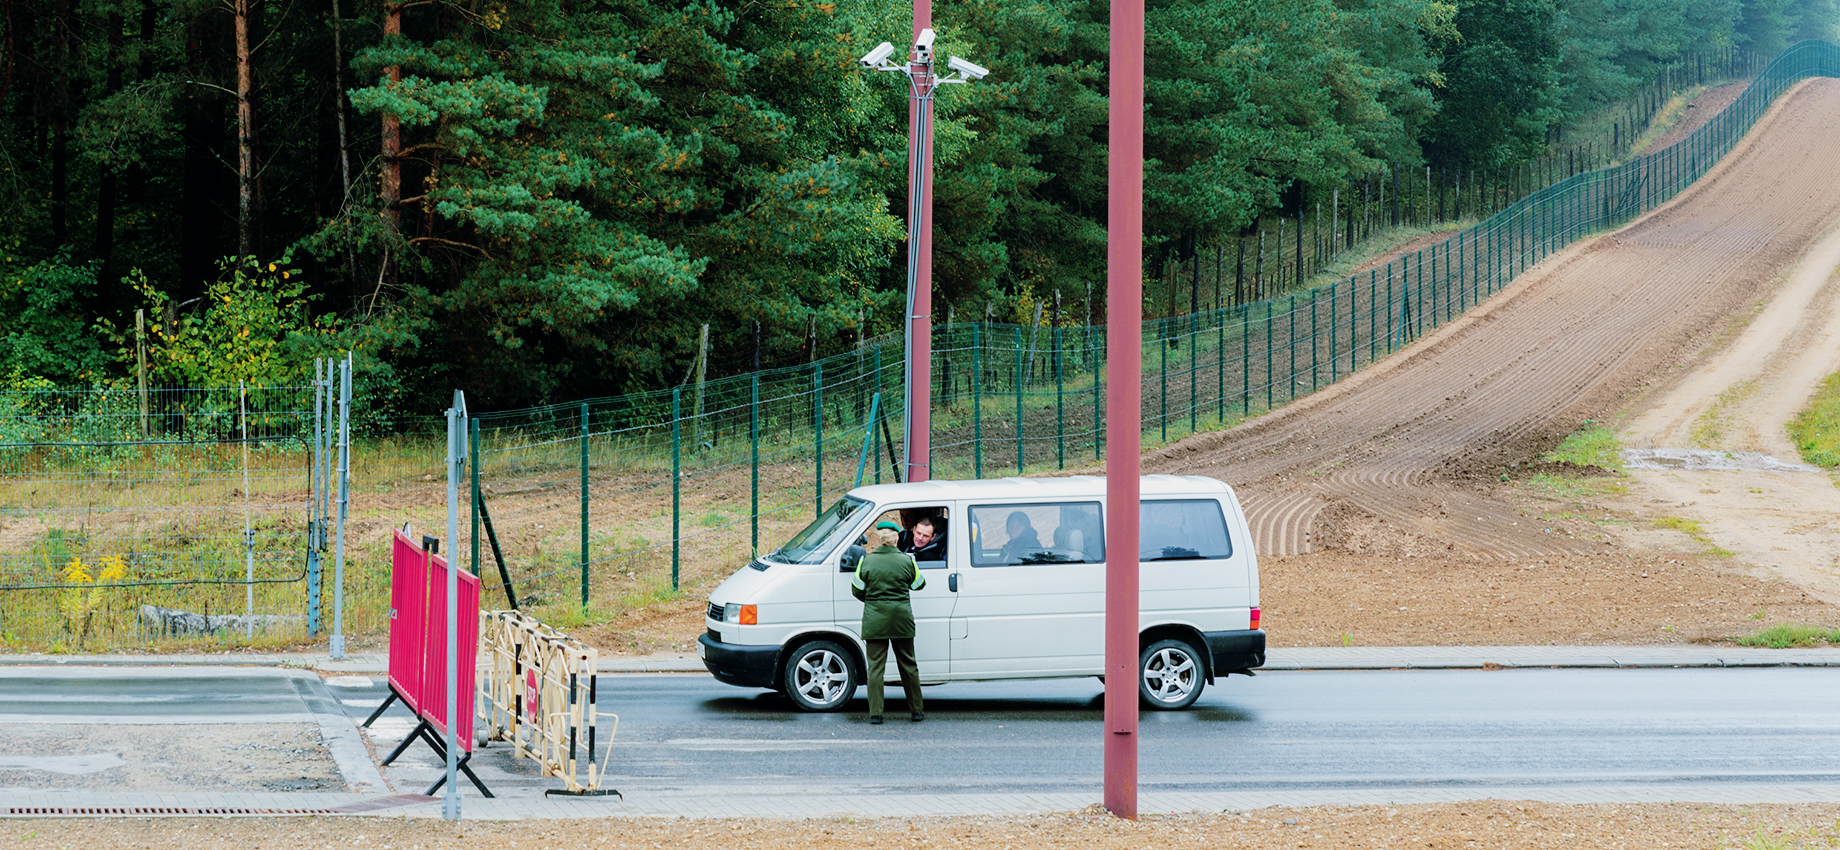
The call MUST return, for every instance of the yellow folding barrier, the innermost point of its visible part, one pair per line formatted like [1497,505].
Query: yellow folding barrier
[539,688]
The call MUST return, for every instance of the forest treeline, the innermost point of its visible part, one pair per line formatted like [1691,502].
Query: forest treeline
[538,200]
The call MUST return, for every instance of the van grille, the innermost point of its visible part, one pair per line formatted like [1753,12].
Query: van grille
[715,612]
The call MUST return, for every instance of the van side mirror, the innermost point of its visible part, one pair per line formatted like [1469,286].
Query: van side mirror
[852,555]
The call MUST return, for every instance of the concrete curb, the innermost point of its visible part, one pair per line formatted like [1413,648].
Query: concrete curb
[1277,659]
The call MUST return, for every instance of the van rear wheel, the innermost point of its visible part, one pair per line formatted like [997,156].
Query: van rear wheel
[1169,675]
[819,676]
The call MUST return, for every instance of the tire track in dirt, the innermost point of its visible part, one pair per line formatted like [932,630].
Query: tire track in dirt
[1415,445]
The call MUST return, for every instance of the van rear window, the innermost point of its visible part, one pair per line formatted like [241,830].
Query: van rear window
[1176,530]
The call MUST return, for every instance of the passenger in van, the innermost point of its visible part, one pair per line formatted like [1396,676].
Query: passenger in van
[926,541]
[1023,541]
[883,582]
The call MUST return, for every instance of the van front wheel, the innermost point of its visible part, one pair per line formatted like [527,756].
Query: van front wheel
[819,676]
[1169,675]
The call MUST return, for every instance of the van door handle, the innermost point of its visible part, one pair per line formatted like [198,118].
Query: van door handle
[952,582]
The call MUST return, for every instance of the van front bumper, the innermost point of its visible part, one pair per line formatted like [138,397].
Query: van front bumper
[1235,651]
[749,666]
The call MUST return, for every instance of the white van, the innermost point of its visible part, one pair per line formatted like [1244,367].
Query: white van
[1016,592]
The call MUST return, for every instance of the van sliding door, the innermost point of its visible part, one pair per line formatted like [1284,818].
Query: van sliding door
[1032,602]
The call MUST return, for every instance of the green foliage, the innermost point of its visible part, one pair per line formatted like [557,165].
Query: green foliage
[255,327]
[604,180]
[1816,429]
[42,308]
[1501,83]
[1247,100]
[1786,635]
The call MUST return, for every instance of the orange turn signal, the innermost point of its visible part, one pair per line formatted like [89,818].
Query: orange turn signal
[750,615]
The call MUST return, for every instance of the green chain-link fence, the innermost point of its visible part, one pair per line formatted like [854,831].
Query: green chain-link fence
[130,516]
[628,497]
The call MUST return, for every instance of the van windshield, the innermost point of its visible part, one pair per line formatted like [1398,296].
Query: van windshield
[823,536]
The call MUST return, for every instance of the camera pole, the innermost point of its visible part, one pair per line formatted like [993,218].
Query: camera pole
[919,324]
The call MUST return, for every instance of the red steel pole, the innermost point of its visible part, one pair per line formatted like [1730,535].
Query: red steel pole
[920,237]
[1123,400]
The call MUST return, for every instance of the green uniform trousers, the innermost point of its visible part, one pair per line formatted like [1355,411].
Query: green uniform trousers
[904,660]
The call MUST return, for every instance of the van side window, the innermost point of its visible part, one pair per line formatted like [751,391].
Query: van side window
[1177,530]
[1056,533]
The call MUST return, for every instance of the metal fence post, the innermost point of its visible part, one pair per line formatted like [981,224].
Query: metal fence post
[1335,361]
[1245,359]
[817,419]
[1162,396]
[1290,313]
[754,462]
[677,483]
[977,401]
[1220,363]
[473,467]
[1193,343]
[1060,400]
[584,504]
[1271,383]
[1020,372]
[316,525]
[1313,337]
[344,485]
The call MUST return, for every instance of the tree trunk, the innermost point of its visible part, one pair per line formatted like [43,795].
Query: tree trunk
[201,225]
[60,184]
[61,68]
[105,188]
[137,174]
[391,190]
[11,50]
[245,138]
[338,110]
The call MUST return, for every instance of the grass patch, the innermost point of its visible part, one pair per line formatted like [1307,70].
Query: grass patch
[568,615]
[1591,445]
[1816,430]
[654,592]
[1709,428]
[1575,489]
[1694,529]
[1786,635]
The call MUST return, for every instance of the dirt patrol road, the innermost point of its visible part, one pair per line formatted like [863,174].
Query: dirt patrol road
[1414,442]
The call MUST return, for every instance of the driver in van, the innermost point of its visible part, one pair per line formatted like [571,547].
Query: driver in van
[926,541]
[883,582]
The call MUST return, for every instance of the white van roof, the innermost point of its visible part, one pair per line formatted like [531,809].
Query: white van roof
[1072,486]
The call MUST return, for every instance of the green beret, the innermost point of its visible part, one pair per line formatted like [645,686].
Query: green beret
[888,525]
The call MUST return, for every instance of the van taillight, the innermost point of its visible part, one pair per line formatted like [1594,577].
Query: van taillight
[750,615]
[1255,618]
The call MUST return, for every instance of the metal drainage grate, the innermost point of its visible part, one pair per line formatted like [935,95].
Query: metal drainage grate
[355,807]
[132,811]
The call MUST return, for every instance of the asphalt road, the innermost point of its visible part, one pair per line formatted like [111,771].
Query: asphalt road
[687,734]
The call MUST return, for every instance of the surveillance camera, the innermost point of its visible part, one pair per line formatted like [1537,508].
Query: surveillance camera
[877,56]
[923,46]
[970,70]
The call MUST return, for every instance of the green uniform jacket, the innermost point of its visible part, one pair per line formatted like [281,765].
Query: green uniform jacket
[883,580]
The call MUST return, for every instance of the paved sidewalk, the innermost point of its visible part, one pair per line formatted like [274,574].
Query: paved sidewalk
[1281,658]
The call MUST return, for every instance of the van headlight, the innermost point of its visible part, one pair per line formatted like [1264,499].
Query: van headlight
[731,612]
[746,615]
